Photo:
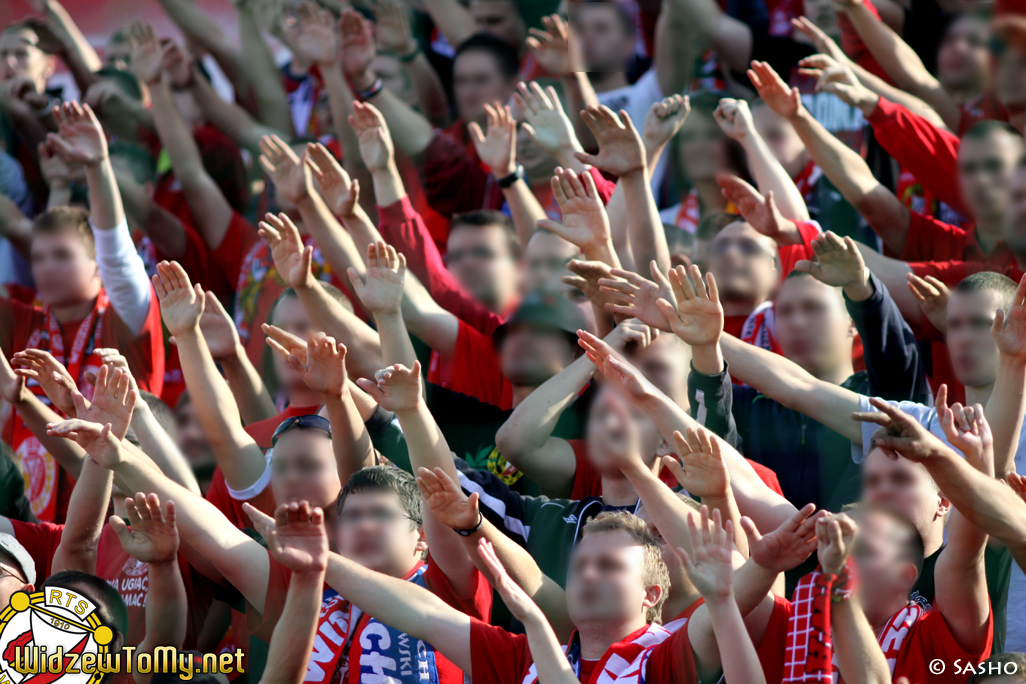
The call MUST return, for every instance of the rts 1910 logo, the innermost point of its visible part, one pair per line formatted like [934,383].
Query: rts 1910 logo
[54,635]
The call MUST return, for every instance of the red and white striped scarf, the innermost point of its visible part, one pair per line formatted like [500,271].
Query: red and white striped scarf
[809,652]
[624,663]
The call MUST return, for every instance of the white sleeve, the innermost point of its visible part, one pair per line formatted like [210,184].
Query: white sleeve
[260,485]
[925,415]
[123,274]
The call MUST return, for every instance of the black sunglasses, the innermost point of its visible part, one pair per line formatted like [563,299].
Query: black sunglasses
[308,422]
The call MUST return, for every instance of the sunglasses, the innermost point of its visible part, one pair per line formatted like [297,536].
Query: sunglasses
[307,422]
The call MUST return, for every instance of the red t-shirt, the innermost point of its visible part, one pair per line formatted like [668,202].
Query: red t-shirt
[478,605]
[231,507]
[498,657]
[931,240]
[123,572]
[262,430]
[474,369]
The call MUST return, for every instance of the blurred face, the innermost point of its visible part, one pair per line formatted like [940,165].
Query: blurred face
[822,14]
[616,429]
[192,438]
[532,354]
[477,80]
[962,61]
[812,325]
[374,530]
[1015,215]
[290,316]
[117,55]
[744,263]
[63,269]
[885,573]
[390,71]
[903,487]
[501,19]
[666,363]
[480,259]
[1010,78]
[19,57]
[303,468]
[985,169]
[974,356]
[702,148]
[538,164]
[781,137]
[605,583]
[605,43]
[545,260]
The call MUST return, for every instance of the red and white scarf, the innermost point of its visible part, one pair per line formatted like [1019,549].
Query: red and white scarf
[690,213]
[759,327]
[624,663]
[38,466]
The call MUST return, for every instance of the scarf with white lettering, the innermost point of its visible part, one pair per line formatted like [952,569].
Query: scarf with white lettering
[624,663]
[384,654]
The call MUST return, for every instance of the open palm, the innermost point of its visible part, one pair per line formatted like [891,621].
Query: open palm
[446,499]
[1009,331]
[698,317]
[787,546]
[396,388]
[298,540]
[838,262]
[181,306]
[153,535]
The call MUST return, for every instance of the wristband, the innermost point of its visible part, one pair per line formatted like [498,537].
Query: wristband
[472,530]
[512,178]
[373,90]
[409,56]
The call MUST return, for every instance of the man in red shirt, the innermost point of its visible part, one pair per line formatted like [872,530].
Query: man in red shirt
[95,293]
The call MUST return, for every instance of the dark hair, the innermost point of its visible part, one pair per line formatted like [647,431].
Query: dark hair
[109,607]
[70,219]
[988,127]
[915,550]
[386,479]
[486,218]
[989,280]
[141,163]
[124,80]
[678,240]
[162,413]
[1011,664]
[711,225]
[505,55]
[628,18]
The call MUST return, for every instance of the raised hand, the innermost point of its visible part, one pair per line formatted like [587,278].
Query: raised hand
[639,297]
[835,76]
[547,123]
[381,289]
[292,260]
[629,332]
[900,433]
[932,296]
[697,317]
[785,101]
[181,304]
[80,138]
[967,429]
[147,55]
[585,222]
[835,538]
[615,368]
[115,359]
[341,192]
[219,329]
[516,599]
[298,539]
[823,43]
[56,171]
[497,148]
[320,361]
[103,448]
[376,146]
[621,150]
[113,401]
[1017,483]
[664,119]
[286,170]
[153,536]
[734,118]
[396,388]
[447,501]
[177,64]
[704,472]
[1009,331]
[312,33]
[393,28]
[553,48]
[786,547]
[759,211]
[358,48]
[587,277]
[709,566]
[838,262]
[52,376]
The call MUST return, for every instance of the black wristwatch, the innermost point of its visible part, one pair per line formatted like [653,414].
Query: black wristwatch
[472,530]
[512,178]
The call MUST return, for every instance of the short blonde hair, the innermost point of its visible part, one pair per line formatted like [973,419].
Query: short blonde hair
[654,570]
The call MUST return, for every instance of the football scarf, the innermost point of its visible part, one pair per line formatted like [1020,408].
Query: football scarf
[624,663]
[385,653]
[758,328]
[809,653]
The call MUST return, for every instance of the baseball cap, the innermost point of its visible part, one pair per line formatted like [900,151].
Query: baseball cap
[25,563]
[544,309]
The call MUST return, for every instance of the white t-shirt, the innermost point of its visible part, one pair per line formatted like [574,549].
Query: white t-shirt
[636,100]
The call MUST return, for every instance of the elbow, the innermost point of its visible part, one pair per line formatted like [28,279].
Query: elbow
[506,442]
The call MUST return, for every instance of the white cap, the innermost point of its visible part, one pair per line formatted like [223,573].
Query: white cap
[25,563]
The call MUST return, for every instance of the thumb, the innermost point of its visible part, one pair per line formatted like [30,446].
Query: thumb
[806,266]
[472,501]
[355,279]
[476,134]
[120,528]
[81,405]
[529,130]
[307,262]
[585,158]
[554,227]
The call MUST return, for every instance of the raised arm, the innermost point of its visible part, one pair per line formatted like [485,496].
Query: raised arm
[153,539]
[735,119]
[381,292]
[196,25]
[730,38]
[1007,402]
[181,306]
[258,78]
[845,168]
[585,223]
[452,19]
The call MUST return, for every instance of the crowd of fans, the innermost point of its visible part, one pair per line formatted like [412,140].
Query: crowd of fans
[628,341]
